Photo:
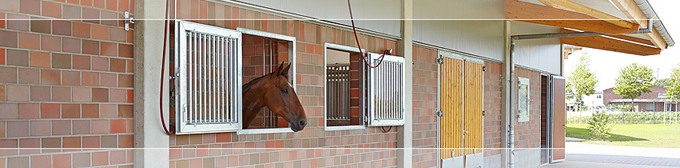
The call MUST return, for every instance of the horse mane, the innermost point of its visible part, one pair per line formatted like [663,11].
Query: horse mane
[247,85]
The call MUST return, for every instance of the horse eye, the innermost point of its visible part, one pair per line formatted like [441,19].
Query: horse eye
[284,90]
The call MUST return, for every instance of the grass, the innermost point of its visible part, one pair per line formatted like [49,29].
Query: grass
[639,135]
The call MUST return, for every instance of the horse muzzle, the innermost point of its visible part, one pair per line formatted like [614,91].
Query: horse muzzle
[297,126]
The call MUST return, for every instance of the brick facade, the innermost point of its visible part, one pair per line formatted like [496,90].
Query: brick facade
[66,86]
[424,107]
[651,98]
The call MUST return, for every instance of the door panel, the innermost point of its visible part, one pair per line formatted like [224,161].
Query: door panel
[473,107]
[560,120]
[451,125]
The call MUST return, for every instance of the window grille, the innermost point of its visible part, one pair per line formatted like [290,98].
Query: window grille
[386,97]
[523,100]
[208,78]
[338,88]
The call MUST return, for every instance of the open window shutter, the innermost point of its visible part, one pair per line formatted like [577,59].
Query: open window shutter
[386,97]
[209,78]
[523,101]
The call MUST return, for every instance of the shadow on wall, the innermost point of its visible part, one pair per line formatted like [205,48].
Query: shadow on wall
[584,133]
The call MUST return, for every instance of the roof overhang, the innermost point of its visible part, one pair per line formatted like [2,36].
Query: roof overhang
[623,22]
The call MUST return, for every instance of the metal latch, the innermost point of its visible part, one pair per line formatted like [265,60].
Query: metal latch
[440,60]
[128,20]
[439,113]
[483,113]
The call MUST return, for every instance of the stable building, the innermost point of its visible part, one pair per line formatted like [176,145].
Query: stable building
[460,83]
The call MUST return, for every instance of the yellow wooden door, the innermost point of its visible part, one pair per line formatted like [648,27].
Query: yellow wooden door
[451,123]
[474,75]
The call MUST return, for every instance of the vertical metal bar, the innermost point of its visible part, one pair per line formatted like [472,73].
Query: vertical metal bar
[203,77]
[211,58]
[234,77]
[193,89]
[218,78]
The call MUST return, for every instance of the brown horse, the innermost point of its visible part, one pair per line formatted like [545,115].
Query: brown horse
[274,91]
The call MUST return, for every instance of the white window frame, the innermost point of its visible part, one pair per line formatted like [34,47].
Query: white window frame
[374,80]
[292,77]
[325,89]
[524,117]
[182,127]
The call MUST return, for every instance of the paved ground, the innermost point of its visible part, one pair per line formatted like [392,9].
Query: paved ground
[587,155]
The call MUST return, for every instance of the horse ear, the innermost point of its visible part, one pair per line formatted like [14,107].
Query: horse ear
[284,71]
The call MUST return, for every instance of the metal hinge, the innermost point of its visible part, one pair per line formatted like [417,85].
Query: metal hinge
[440,60]
[365,119]
[484,68]
[439,113]
[483,113]
[128,20]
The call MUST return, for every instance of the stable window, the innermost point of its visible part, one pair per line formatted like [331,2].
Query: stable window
[650,106]
[211,64]
[206,65]
[356,94]
[523,100]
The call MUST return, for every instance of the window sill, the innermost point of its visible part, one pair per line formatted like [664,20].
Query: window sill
[341,128]
[263,131]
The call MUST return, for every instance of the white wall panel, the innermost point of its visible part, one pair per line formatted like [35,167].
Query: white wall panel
[539,54]
[470,26]
[376,15]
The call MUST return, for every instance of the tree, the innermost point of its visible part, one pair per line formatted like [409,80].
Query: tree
[582,81]
[632,81]
[663,82]
[598,125]
[673,89]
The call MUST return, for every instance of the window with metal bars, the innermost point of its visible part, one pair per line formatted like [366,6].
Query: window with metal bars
[207,85]
[349,82]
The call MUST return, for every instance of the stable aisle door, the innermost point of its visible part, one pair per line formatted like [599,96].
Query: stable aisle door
[461,110]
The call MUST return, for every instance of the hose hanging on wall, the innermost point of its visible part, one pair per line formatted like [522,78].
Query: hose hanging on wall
[386,52]
[165,39]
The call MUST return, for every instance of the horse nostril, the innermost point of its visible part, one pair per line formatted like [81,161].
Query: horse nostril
[302,123]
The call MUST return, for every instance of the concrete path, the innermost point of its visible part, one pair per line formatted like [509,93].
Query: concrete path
[587,155]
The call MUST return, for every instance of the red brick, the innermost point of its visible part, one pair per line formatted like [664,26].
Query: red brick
[90,111]
[17,57]
[9,39]
[2,20]
[81,29]
[81,127]
[130,66]
[117,157]
[100,63]
[51,145]
[130,96]
[51,9]
[92,142]
[61,127]
[125,141]
[50,77]
[125,50]
[61,61]
[110,80]
[29,41]
[130,35]
[109,49]
[51,43]
[61,94]
[100,32]
[81,94]
[61,160]
[2,56]
[118,126]
[100,95]
[101,4]
[72,142]
[17,22]
[81,62]
[70,110]
[50,110]
[117,65]
[40,59]
[125,81]
[29,143]
[29,7]
[117,34]
[100,126]
[29,76]
[40,93]
[86,2]
[41,25]
[71,45]
[40,128]
[90,78]
[124,5]
[109,19]
[29,111]
[17,93]
[2,92]
[91,47]
[71,78]
[91,15]
[61,27]
[112,5]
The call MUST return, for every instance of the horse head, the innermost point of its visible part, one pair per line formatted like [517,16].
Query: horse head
[278,94]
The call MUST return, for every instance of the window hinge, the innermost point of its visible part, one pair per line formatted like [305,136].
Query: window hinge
[128,20]
[484,68]
[439,113]
[440,60]
[483,113]
[365,119]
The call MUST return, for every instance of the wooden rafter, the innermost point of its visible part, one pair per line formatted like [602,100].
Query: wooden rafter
[630,9]
[539,14]
[575,7]
[604,43]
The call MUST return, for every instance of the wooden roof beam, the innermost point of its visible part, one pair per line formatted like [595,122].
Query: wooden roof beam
[610,44]
[575,7]
[631,9]
[539,14]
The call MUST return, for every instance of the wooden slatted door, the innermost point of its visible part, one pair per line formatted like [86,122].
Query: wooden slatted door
[461,102]
[451,123]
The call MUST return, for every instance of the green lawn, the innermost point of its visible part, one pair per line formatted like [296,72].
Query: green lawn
[640,135]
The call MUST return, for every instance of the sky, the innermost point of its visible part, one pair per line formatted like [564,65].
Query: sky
[606,64]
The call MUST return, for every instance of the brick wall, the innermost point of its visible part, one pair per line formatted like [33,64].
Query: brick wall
[333,148]
[493,103]
[528,134]
[65,85]
[424,107]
